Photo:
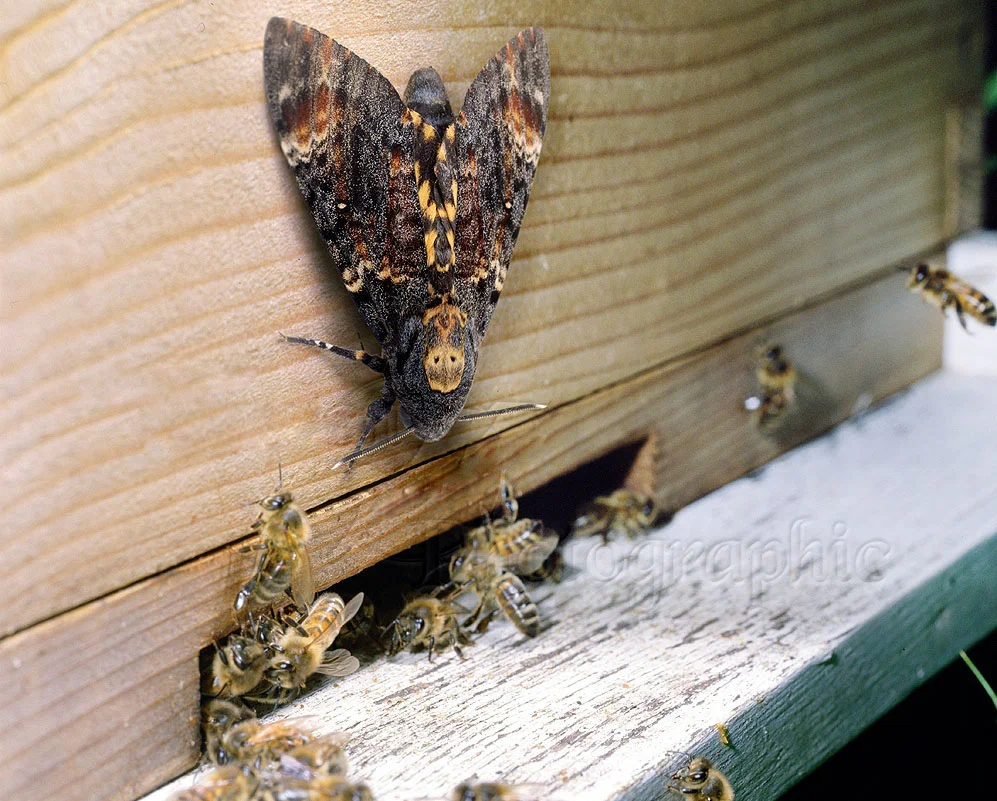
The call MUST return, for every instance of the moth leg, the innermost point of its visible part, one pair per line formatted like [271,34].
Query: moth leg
[375,363]
[376,412]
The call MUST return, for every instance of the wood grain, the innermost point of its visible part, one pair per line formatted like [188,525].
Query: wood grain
[126,649]
[705,170]
[796,606]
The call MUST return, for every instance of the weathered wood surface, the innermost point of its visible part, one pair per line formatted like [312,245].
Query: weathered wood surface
[705,169]
[127,649]
[796,606]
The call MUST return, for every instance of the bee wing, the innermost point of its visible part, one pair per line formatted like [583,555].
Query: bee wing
[294,769]
[528,792]
[302,583]
[338,663]
[352,607]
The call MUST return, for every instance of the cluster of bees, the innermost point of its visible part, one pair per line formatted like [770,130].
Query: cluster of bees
[282,643]
[777,377]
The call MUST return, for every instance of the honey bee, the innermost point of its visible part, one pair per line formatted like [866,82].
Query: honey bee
[427,621]
[624,511]
[482,573]
[228,783]
[237,667]
[702,781]
[320,788]
[301,650]
[285,564]
[494,791]
[777,387]
[522,546]
[946,291]
[323,756]
[217,717]
[263,744]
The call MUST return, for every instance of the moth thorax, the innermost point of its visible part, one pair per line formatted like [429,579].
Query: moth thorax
[444,328]
[426,95]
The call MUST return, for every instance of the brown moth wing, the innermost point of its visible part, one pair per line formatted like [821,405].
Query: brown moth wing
[349,139]
[499,135]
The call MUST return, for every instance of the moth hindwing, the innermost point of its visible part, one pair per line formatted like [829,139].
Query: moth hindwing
[420,208]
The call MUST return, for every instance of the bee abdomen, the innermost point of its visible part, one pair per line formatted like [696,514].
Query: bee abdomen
[984,310]
[517,605]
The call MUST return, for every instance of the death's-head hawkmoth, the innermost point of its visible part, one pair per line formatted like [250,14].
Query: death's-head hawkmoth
[420,208]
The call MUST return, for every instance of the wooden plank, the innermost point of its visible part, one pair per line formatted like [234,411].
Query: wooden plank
[864,345]
[796,607]
[704,171]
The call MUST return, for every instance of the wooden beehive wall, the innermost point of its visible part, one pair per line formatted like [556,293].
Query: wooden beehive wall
[712,176]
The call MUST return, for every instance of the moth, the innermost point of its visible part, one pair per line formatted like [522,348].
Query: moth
[420,208]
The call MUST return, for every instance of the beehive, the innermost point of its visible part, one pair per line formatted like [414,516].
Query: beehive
[711,179]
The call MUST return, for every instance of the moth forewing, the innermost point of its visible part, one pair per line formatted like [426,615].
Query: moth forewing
[420,210]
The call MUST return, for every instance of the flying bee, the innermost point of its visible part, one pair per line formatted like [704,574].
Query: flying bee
[624,511]
[482,573]
[301,650]
[494,791]
[237,667]
[227,783]
[702,781]
[521,545]
[217,717]
[946,291]
[285,564]
[427,621]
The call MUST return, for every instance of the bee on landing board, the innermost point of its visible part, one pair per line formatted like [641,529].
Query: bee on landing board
[301,649]
[430,622]
[263,744]
[323,756]
[494,791]
[319,788]
[777,387]
[482,573]
[622,512]
[227,783]
[217,717]
[946,291]
[522,546]
[285,564]
[700,781]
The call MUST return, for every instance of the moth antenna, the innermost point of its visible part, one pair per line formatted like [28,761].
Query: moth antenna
[359,453]
[522,407]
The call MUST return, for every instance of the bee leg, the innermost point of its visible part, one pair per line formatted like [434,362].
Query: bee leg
[432,647]
[483,624]
[510,506]
[960,314]
[375,363]
[260,546]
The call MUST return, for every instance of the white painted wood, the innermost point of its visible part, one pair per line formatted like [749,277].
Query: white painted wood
[796,605]
[974,258]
